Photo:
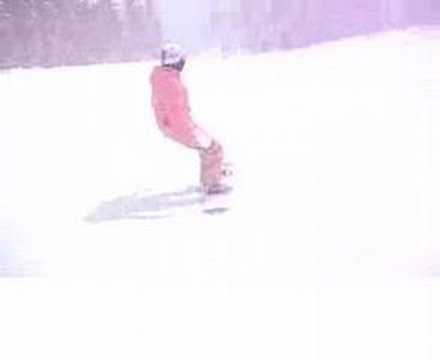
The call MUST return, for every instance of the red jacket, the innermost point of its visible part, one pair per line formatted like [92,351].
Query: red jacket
[170,103]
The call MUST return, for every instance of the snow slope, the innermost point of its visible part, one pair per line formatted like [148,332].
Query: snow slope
[337,151]
[335,146]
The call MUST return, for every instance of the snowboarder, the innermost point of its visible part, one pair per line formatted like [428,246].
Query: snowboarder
[173,116]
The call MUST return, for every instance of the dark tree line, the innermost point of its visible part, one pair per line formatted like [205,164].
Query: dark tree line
[73,32]
[283,24]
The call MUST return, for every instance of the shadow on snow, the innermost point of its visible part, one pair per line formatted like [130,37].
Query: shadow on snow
[144,207]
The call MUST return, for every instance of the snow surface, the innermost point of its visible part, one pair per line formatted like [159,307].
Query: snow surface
[337,156]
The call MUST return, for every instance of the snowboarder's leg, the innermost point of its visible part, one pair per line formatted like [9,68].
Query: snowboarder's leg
[211,168]
[210,152]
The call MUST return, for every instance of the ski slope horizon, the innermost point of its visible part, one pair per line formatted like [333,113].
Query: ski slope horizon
[336,149]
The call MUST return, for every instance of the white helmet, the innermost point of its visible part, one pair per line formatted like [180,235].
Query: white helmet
[172,54]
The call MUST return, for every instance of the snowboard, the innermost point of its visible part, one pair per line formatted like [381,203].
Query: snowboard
[189,200]
[193,198]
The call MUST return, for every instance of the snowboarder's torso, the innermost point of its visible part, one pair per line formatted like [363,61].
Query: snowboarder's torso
[170,100]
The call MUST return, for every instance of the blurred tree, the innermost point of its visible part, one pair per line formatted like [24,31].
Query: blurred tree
[6,33]
[135,26]
[289,19]
[106,32]
[23,18]
[141,30]
[153,38]
[45,48]
[394,13]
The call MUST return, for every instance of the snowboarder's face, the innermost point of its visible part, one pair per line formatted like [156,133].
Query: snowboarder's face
[180,65]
